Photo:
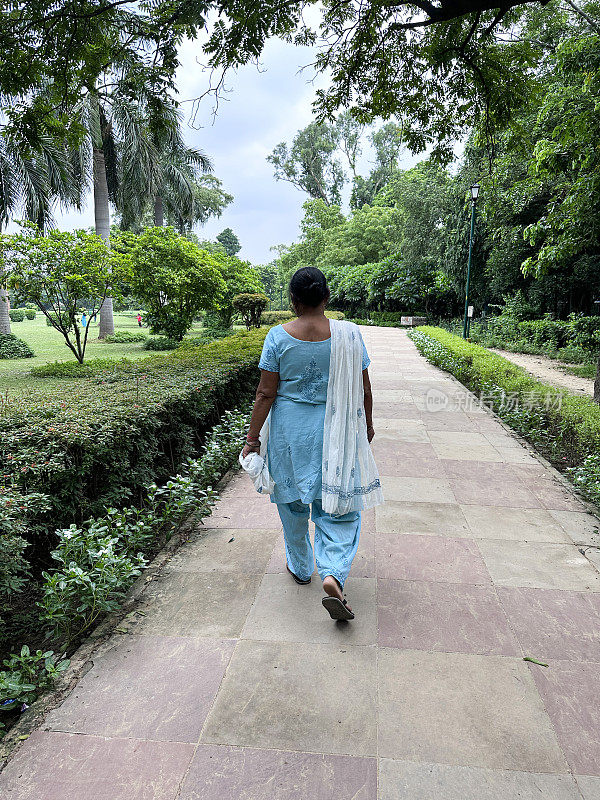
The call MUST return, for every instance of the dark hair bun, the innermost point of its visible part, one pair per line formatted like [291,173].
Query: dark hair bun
[308,287]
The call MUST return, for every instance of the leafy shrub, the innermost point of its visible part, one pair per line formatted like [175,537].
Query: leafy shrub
[13,347]
[250,307]
[30,313]
[585,332]
[73,369]
[94,579]
[576,339]
[276,317]
[123,337]
[26,675]
[175,279]
[587,477]
[565,427]
[213,320]
[64,319]
[160,343]
[17,314]
[334,315]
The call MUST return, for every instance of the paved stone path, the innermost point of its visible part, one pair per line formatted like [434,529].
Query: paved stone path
[235,685]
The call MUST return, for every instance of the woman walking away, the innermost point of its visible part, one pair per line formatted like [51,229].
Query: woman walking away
[315,388]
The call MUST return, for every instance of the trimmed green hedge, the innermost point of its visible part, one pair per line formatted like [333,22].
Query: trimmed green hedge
[17,314]
[122,337]
[276,317]
[563,426]
[99,440]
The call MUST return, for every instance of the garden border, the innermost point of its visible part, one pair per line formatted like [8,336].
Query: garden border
[81,660]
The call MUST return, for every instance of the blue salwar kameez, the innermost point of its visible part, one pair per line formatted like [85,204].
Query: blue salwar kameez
[295,456]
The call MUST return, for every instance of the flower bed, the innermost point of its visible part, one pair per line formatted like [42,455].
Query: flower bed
[562,426]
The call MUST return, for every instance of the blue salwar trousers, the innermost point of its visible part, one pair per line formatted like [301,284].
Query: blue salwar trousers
[336,540]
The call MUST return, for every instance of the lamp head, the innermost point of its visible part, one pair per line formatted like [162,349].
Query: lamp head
[475,191]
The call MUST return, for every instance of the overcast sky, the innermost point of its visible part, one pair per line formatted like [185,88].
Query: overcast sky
[263,108]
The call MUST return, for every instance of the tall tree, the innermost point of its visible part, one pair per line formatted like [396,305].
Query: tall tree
[387,145]
[230,242]
[32,178]
[157,166]
[310,164]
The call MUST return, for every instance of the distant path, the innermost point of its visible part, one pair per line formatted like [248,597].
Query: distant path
[548,370]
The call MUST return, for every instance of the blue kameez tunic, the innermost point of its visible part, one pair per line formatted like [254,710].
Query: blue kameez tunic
[295,449]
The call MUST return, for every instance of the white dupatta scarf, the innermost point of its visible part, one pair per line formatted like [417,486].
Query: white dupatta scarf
[350,478]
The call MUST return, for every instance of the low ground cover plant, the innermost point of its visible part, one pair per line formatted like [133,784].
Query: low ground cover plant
[563,426]
[13,347]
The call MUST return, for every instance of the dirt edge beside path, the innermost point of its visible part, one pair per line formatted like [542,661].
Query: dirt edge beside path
[548,370]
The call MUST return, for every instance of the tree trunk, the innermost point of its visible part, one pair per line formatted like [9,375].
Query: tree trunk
[597,383]
[102,220]
[159,218]
[4,309]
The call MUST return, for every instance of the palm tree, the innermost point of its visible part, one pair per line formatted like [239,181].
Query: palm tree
[31,180]
[161,171]
[95,160]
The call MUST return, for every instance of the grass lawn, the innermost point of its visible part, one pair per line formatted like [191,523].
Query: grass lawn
[48,345]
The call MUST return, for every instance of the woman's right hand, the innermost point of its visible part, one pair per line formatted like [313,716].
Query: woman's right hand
[370,433]
[250,448]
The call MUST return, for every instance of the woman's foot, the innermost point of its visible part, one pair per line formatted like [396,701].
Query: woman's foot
[332,588]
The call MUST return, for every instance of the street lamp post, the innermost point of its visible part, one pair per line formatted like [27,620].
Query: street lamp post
[474,196]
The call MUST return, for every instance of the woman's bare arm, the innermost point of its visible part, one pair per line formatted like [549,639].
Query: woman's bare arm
[265,395]
[368,404]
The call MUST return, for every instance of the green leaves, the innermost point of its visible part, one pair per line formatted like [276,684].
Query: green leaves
[175,279]
[59,271]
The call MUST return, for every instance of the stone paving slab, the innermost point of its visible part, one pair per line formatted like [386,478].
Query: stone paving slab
[539,565]
[62,766]
[283,611]
[139,688]
[430,558]
[428,519]
[589,786]
[205,605]
[233,773]
[552,624]
[227,550]
[318,698]
[451,708]
[513,524]
[234,684]
[421,615]
[570,693]
[406,780]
